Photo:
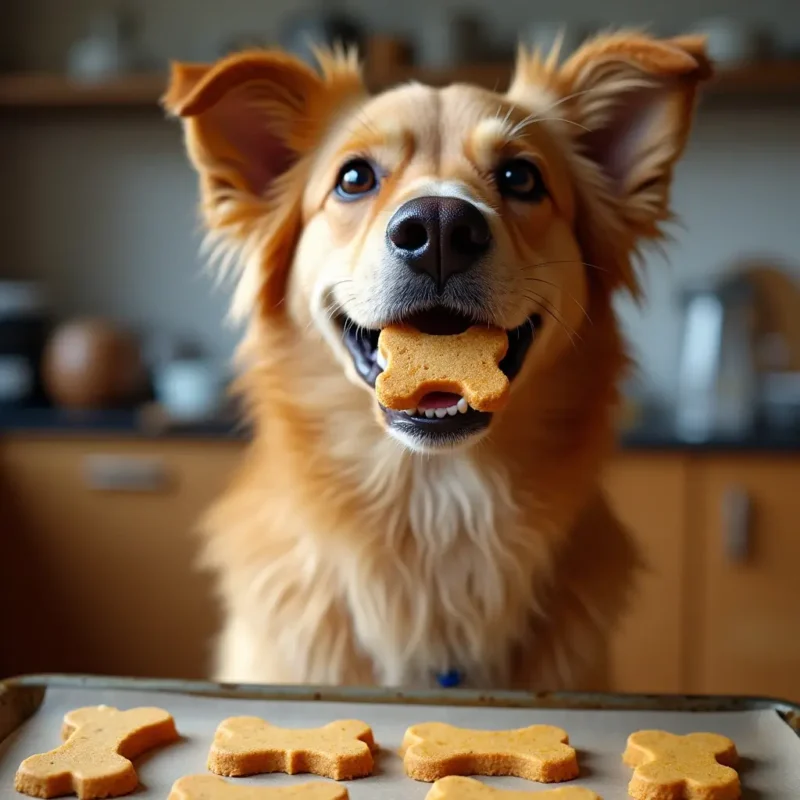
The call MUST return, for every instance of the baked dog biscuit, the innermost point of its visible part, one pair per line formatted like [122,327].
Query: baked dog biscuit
[210,787]
[693,767]
[469,789]
[465,364]
[538,753]
[249,745]
[94,760]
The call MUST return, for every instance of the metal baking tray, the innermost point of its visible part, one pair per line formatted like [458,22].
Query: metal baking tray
[766,732]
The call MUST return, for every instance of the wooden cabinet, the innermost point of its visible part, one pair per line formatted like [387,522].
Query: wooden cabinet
[648,493]
[718,609]
[101,536]
[98,563]
[743,570]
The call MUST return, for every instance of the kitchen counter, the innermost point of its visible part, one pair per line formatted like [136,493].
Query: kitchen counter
[43,421]
[661,437]
[127,422]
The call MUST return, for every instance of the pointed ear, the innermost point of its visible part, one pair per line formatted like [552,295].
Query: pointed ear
[250,116]
[249,121]
[184,78]
[631,99]
[636,97]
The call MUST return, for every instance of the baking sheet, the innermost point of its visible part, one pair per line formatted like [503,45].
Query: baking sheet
[769,748]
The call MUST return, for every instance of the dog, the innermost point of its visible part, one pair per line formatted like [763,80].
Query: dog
[359,545]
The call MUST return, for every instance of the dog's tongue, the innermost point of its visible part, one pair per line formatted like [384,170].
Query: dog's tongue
[438,400]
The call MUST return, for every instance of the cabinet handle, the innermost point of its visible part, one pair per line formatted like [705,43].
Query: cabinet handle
[737,514]
[106,473]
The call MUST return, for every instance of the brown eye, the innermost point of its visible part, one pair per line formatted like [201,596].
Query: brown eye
[356,178]
[521,180]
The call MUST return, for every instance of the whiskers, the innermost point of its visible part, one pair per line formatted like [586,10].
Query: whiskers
[543,115]
[569,97]
[335,303]
[546,305]
[543,264]
[518,130]
[505,119]
[561,289]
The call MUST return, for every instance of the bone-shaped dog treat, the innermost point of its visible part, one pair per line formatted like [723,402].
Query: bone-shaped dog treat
[465,364]
[94,760]
[693,767]
[248,745]
[469,789]
[538,753]
[210,787]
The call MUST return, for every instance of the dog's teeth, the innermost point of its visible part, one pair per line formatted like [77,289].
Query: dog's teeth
[410,411]
[452,410]
[380,360]
[462,406]
[441,413]
[429,413]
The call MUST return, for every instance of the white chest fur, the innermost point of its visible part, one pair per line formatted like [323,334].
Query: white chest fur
[435,572]
[444,581]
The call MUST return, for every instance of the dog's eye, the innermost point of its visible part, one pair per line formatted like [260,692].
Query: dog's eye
[521,180]
[356,178]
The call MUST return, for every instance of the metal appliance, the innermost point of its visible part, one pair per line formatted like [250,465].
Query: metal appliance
[718,386]
[23,331]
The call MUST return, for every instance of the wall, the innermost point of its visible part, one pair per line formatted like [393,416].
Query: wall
[104,209]
[195,28]
[733,192]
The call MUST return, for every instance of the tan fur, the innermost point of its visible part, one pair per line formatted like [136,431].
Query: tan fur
[343,556]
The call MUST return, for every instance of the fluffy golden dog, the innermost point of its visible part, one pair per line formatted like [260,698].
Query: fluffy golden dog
[362,545]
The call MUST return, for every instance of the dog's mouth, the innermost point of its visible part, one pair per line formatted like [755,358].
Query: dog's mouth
[440,417]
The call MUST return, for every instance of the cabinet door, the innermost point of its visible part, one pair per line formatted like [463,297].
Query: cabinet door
[745,576]
[107,529]
[648,493]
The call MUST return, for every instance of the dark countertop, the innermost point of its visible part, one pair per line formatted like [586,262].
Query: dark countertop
[125,422]
[43,421]
[660,437]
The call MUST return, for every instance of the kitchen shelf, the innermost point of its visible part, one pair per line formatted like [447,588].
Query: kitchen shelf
[764,78]
[49,91]
[768,78]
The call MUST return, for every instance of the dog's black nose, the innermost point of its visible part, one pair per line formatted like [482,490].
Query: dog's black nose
[439,236]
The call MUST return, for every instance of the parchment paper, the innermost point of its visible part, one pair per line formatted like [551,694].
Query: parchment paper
[770,750]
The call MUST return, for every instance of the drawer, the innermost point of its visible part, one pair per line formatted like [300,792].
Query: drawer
[108,529]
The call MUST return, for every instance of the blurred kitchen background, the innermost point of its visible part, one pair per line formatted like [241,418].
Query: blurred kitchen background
[115,431]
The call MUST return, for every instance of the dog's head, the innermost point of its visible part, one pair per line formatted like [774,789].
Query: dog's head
[438,208]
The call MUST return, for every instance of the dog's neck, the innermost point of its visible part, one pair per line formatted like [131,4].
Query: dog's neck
[454,550]
[436,571]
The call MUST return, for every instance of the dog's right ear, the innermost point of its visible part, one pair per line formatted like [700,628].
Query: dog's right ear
[242,119]
[631,101]
[249,120]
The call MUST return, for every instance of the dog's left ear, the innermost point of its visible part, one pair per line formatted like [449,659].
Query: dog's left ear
[631,99]
[250,121]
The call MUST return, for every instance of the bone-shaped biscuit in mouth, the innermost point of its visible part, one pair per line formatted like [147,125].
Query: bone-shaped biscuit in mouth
[341,750]
[698,766]
[466,364]
[211,787]
[468,789]
[94,761]
[541,753]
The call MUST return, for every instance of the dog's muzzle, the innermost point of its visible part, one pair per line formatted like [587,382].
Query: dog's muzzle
[437,247]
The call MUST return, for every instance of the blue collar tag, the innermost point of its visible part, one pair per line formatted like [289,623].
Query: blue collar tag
[450,679]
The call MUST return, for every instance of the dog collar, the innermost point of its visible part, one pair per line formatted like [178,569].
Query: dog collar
[450,679]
